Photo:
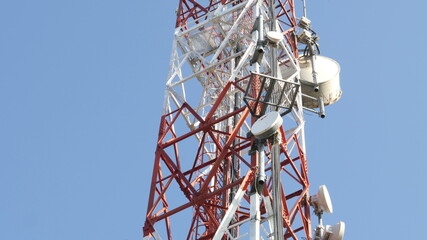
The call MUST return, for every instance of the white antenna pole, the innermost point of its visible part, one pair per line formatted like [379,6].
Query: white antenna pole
[304,6]
[255,213]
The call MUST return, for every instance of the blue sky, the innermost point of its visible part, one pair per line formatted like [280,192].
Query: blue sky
[81,91]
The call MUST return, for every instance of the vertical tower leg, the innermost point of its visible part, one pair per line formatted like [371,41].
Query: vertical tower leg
[255,217]
[277,190]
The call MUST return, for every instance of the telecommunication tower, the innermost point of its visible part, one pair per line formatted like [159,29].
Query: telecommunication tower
[230,161]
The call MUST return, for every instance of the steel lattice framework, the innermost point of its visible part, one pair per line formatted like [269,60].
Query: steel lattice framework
[202,184]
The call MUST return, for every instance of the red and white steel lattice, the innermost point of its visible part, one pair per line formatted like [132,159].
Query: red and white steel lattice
[203,174]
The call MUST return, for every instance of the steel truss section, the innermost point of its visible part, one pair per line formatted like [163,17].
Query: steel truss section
[202,185]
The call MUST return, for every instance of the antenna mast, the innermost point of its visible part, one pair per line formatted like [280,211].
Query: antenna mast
[230,161]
